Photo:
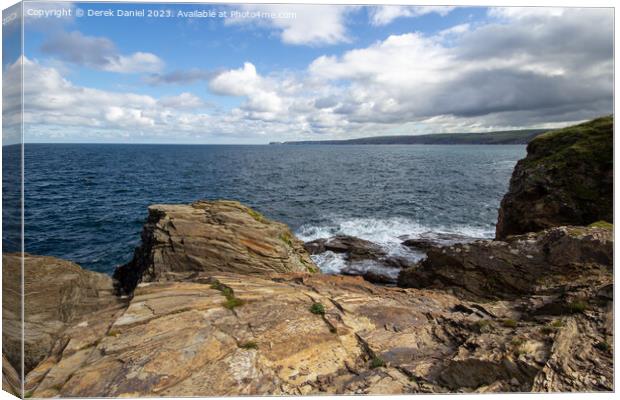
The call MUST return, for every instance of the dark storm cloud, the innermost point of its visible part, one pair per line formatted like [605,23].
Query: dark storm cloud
[505,90]
[518,69]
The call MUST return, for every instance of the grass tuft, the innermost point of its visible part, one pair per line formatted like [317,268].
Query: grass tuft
[577,306]
[602,224]
[509,323]
[231,301]
[377,362]
[256,215]
[317,308]
[287,238]
[558,323]
[483,326]
[251,345]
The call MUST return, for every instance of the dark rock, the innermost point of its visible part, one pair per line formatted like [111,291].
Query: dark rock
[432,240]
[521,265]
[356,248]
[362,257]
[566,179]
[371,276]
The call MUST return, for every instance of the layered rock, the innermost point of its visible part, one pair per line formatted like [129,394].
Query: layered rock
[222,304]
[522,265]
[57,294]
[11,381]
[188,338]
[560,279]
[211,236]
[566,179]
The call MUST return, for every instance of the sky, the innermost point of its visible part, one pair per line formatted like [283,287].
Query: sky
[252,74]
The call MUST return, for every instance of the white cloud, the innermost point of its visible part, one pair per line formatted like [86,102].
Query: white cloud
[182,101]
[260,93]
[135,63]
[510,72]
[237,82]
[519,71]
[519,13]
[383,15]
[301,24]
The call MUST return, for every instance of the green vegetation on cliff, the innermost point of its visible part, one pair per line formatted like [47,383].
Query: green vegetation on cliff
[584,143]
[566,179]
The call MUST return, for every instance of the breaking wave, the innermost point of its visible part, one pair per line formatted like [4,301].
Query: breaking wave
[387,233]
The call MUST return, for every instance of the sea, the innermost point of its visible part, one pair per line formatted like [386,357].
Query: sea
[88,202]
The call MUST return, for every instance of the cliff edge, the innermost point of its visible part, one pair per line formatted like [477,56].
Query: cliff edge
[566,179]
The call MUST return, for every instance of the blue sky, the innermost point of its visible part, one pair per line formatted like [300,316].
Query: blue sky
[329,72]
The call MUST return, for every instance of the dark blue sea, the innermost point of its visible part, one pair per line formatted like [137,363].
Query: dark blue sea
[87,202]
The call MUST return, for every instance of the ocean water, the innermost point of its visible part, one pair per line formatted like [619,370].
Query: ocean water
[87,202]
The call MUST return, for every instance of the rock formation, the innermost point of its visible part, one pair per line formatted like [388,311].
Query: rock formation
[211,236]
[224,302]
[558,282]
[11,381]
[57,293]
[566,179]
[362,257]
[547,262]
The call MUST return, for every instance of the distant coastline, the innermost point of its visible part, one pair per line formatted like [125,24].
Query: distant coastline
[502,137]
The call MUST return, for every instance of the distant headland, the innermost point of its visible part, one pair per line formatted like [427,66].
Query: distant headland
[501,137]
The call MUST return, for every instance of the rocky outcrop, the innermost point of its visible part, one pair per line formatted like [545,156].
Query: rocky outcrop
[230,334]
[535,263]
[431,240]
[57,294]
[560,280]
[211,236]
[222,303]
[566,179]
[356,249]
[361,257]
[221,333]
[11,382]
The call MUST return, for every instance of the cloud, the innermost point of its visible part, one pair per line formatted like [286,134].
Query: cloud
[181,77]
[98,53]
[53,102]
[514,70]
[182,101]
[384,15]
[301,24]
[260,93]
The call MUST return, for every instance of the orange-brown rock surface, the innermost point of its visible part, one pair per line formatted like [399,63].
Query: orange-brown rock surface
[221,333]
[57,293]
[211,236]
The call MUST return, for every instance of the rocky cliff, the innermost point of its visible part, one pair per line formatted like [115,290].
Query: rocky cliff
[56,294]
[566,179]
[211,236]
[222,333]
[225,302]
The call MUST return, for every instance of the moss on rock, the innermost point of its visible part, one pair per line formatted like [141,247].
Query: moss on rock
[566,179]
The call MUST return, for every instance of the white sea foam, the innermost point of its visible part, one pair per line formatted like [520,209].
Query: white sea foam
[387,233]
[330,262]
